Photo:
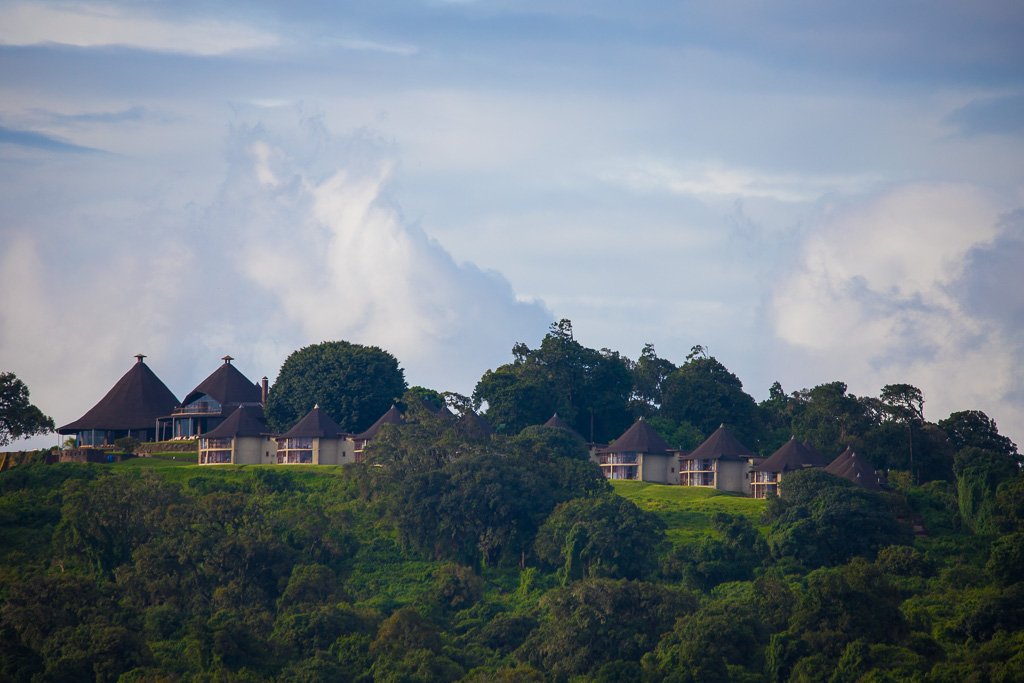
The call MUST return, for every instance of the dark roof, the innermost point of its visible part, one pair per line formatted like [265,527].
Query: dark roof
[810,446]
[317,423]
[851,466]
[392,417]
[245,421]
[227,386]
[556,421]
[793,456]
[721,445]
[472,426]
[640,438]
[135,402]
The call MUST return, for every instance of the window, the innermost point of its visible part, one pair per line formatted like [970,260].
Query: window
[215,451]
[298,451]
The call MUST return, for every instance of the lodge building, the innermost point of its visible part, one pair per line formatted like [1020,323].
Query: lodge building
[225,413]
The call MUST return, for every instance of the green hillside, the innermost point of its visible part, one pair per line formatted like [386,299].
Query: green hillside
[515,561]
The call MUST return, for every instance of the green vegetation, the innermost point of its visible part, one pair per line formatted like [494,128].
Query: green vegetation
[686,511]
[354,384]
[451,557]
[18,417]
[442,559]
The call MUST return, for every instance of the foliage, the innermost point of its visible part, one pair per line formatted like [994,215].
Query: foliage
[845,604]
[732,552]
[831,419]
[600,537]
[649,373]
[973,428]
[18,417]
[598,621]
[821,519]
[242,573]
[589,389]
[980,473]
[354,384]
[705,394]
[128,445]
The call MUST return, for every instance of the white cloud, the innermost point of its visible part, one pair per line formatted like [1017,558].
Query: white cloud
[653,175]
[90,25]
[334,259]
[874,300]
[302,244]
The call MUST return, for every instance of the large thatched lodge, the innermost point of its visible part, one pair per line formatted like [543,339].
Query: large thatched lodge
[225,414]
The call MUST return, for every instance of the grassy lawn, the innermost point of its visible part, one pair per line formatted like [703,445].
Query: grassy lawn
[133,463]
[687,510]
[191,455]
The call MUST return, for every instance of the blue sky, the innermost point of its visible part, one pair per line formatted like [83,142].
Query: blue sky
[815,191]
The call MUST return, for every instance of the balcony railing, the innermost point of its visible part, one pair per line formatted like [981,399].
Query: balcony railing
[619,459]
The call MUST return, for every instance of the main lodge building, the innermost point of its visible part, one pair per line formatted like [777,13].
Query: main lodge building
[225,413]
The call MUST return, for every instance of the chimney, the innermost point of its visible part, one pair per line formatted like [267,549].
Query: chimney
[227,360]
[140,356]
[266,388]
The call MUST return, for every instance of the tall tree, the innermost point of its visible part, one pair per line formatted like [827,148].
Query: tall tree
[973,428]
[830,418]
[18,417]
[586,387]
[904,403]
[354,384]
[704,393]
[649,372]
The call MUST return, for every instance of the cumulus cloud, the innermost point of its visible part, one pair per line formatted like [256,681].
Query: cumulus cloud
[304,243]
[896,287]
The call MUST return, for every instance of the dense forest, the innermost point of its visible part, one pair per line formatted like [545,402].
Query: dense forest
[446,559]
[457,556]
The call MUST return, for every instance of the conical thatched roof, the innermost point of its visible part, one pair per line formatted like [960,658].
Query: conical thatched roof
[810,446]
[135,402]
[472,426]
[793,456]
[640,438]
[316,424]
[245,421]
[851,466]
[392,417]
[558,422]
[721,445]
[226,385]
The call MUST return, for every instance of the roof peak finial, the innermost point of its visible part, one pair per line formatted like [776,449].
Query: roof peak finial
[140,356]
[227,360]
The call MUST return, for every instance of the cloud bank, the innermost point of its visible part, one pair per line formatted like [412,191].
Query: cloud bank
[302,244]
[916,285]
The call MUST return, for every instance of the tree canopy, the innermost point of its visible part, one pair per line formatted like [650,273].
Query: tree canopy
[589,389]
[354,384]
[704,393]
[18,417]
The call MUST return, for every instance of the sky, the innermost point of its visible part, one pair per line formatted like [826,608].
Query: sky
[813,191]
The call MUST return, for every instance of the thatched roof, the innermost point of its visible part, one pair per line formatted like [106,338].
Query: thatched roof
[135,402]
[392,417]
[810,446]
[245,421]
[472,426]
[851,466]
[640,438]
[721,445]
[226,386]
[316,424]
[793,456]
